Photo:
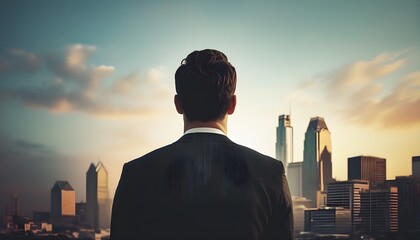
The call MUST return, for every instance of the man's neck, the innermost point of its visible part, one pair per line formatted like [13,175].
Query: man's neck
[219,124]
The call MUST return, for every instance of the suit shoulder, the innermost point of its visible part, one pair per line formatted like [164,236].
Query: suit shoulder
[149,156]
[264,159]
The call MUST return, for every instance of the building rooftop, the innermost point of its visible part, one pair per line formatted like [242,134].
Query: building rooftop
[350,181]
[284,120]
[317,124]
[295,164]
[97,168]
[63,185]
[100,166]
[365,156]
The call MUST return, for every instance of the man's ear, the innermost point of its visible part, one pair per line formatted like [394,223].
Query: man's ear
[232,105]
[178,105]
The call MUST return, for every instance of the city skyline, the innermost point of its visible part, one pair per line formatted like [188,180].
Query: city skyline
[83,82]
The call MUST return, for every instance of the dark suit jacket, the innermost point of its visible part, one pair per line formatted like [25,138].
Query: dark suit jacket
[203,186]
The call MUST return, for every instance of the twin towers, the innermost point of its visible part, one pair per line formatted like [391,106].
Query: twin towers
[308,178]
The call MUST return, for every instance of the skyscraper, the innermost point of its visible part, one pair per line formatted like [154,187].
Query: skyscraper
[98,204]
[368,168]
[284,144]
[317,166]
[63,200]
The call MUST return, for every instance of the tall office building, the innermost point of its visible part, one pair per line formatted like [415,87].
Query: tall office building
[317,166]
[408,202]
[368,168]
[346,194]
[379,210]
[63,200]
[295,178]
[284,144]
[416,166]
[98,203]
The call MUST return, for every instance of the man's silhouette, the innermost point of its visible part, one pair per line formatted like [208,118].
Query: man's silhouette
[203,186]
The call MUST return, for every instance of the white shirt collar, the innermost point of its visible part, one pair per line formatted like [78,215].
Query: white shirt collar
[205,130]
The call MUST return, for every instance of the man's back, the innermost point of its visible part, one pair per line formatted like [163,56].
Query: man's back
[203,186]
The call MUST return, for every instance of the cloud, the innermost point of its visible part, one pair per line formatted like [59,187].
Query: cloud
[19,61]
[369,93]
[401,106]
[76,85]
[365,71]
[23,145]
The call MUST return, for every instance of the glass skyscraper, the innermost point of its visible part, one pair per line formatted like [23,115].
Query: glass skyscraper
[284,142]
[98,203]
[317,166]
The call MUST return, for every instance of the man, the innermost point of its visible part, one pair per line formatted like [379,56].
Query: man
[203,186]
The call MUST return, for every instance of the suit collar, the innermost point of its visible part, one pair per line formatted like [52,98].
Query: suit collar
[204,137]
[204,130]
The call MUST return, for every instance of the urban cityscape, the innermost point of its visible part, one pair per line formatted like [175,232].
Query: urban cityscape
[66,218]
[86,86]
[365,206]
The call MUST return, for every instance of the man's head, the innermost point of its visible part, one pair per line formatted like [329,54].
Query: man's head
[205,85]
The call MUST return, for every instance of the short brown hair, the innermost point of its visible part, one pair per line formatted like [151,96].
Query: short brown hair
[205,83]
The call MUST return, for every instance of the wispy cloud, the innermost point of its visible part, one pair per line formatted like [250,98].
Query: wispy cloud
[363,72]
[368,92]
[33,148]
[77,86]
[19,61]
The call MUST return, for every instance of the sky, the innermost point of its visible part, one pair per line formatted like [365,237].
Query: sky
[89,81]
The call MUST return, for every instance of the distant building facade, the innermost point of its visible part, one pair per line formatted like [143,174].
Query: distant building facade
[368,168]
[416,166]
[379,210]
[294,178]
[300,204]
[40,217]
[98,203]
[408,202]
[328,220]
[346,194]
[317,165]
[81,211]
[63,200]
[284,142]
